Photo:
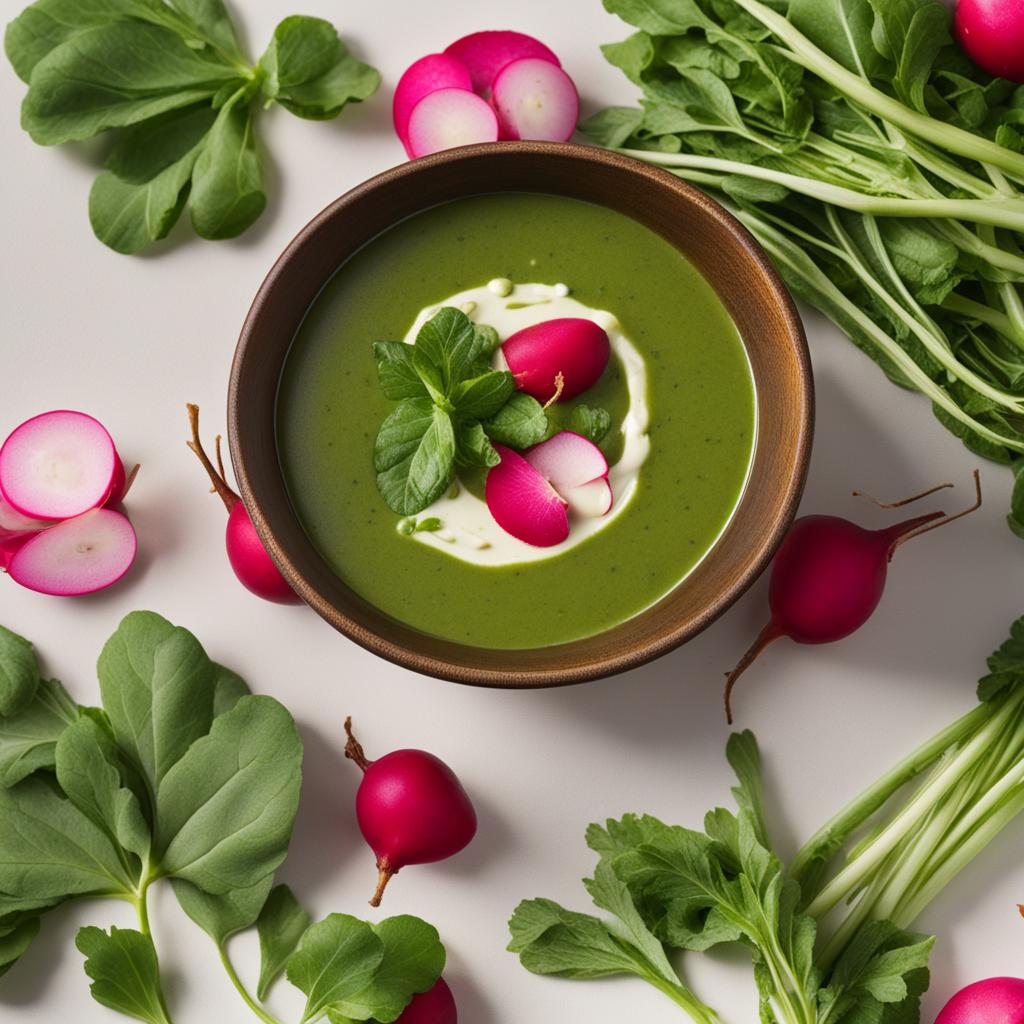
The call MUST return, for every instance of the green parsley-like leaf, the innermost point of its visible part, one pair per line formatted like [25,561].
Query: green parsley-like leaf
[1005,666]
[28,740]
[396,372]
[281,925]
[15,940]
[593,424]
[449,341]
[222,916]
[19,673]
[480,397]
[124,971]
[414,456]
[487,341]
[520,423]
[474,448]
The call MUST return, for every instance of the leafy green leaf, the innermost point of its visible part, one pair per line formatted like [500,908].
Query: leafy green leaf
[843,28]
[414,456]
[222,916]
[487,341]
[521,422]
[281,925]
[632,56]
[1005,666]
[228,689]
[593,424]
[28,740]
[449,340]
[612,126]
[659,17]
[483,396]
[395,371]
[473,447]
[15,940]
[212,19]
[19,673]
[745,760]
[124,971]
[226,808]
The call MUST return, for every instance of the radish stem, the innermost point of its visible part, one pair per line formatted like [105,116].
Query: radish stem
[904,501]
[218,484]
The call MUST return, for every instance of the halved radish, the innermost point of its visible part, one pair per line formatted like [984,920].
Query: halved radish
[427,75]
[15,529]
[577,469]
[58,465]
[535,99]
[573,347]
[486,53]
[523,503]
[78,556]
[448,118]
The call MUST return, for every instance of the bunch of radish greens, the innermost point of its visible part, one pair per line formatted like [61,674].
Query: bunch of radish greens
[181,776]
[882,860]
[881,170]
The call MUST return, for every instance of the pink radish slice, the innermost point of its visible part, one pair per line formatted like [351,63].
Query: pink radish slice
[449,118]
[575,348]
[427,75]
[486,53]
[78,556]
[535,99]
[523,503]
[58,465]
[15,529]
[577,469]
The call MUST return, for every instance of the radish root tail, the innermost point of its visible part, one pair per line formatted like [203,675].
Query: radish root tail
[130,479]
[945,521]
[904,501]
[354,750]
[385,876]
[768,635]
[559,388]
[219,484]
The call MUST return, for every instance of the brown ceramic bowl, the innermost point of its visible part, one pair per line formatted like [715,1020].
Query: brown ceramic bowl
[727,256]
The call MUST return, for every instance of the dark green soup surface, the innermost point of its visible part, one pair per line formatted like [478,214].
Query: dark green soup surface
[700,397]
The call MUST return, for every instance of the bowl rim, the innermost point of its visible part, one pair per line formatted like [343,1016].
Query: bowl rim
[625,658]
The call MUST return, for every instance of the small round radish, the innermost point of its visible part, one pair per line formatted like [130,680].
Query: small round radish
[535,99]
[448,118]
[427,75]
[523,503]
[992,34]
[254,568]
[575,348]
[828,576]
[435,1006]
[993,1001]
[577,469]
[78,556]
[411,809]
[486,53]
[58,465]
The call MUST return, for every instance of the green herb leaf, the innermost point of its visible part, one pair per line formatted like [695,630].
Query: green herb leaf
[487,341]
[744,758]
[449,341]
[474,448]
[520,423]
[15,940]
[593,424]
[19,673]
[213,21]
[228,689]
[483,396]
[281,925]
[396,372]
[414,456]
[612,126]
[222,916]
[1005,666]
[124,971]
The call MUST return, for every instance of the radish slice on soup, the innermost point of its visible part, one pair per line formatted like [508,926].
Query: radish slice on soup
[573,347]
[523,503]
[448,118]
[58,465]
[78,556]
[429,74]
[535,99]
[577,469]
[484,54]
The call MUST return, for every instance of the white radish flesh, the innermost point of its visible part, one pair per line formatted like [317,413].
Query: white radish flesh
[429,74]
[535,99]
[448,118]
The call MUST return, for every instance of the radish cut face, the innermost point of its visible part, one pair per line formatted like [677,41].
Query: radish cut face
[427,75]
[78,556]
[535,99]
[573,347]
[58,465]
[484,54]
[523,503]
[15,529]
[448,118]
[577,469]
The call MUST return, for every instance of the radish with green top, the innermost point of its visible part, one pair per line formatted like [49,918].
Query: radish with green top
[484,54]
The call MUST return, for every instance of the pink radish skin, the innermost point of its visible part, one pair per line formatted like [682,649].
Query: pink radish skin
[254,568]
[523,503]
[15,529]
[577,469]
[429,74]
[486,53]
[992,35]
[58,465]
[448,118]
[828,576]
[79,556]
[411,809]
[576,348]
[535,99]
[993,1001]
[435,1006]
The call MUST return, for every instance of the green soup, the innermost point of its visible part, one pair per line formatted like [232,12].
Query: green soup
[700,397]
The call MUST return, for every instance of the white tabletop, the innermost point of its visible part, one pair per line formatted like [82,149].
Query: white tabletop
[132,339]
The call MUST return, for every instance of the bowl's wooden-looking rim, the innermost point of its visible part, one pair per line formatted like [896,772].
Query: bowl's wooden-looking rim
[254,452]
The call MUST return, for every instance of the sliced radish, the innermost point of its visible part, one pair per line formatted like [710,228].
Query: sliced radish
[58,465]
[449,118]
[523,503]
[575,348]
[535,99]
[486,53]
[15,529]
[78,556]
[427,75]
[577,469]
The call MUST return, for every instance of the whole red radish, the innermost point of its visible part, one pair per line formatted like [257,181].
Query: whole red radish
[992,34]
[828,576]
[573,348]
[248,557]
[411,809]
[993,1001]
[428,74]
[435,1006]
[484,54]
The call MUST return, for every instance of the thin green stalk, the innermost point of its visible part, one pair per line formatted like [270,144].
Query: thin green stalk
[682,996]
[999,322]
[947,137]
[141,902]
[967,241]
[240,988]
[933,161]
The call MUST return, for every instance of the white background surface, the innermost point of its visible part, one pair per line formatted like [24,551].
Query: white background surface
[132,339]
